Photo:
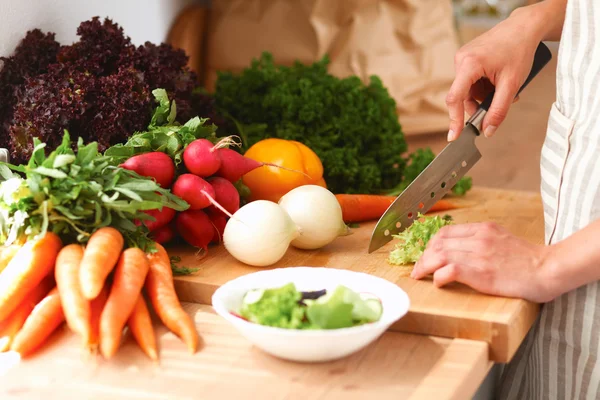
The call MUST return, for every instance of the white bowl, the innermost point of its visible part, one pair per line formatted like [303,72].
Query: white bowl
[311,345]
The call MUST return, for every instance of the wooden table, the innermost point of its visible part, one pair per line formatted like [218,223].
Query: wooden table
[453,312]
[397,366]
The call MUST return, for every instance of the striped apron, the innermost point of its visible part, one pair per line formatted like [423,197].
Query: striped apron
[559,358]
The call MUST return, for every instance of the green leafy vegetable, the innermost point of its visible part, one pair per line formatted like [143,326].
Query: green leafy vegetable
[276,307]
[163,134]
[178,270]
[353,127]
[417,162]
[74,193]
[462,186]
[341,308]
[284,307]
[414,239]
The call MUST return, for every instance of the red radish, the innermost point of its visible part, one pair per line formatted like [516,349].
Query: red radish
[162,218]
[195,227]
[225,194]
[201,157]
[155,165]
[194,190]
[234,165]
[218,221]
[163,234]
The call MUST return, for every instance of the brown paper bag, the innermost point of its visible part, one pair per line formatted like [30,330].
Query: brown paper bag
[409,44]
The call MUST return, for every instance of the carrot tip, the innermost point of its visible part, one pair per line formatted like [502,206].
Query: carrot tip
[193,348]
[152,354]
[4,344]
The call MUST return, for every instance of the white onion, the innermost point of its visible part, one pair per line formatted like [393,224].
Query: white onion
[259,233]
[317,213]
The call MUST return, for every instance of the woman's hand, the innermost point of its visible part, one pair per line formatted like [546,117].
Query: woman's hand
[501,58]
[489,259]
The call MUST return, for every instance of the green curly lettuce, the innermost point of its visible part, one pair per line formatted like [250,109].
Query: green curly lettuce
[417,162]
[353,127]
[414,239]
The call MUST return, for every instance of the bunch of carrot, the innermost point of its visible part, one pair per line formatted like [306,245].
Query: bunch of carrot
[97,290]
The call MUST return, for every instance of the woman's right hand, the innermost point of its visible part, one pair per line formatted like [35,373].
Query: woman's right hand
[500,59]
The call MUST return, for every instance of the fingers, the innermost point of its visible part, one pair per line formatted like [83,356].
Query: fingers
[448,274]
[459,92]
[471,106]
[503,99]
[477,273]
[471,244]
[431,261]
[459,230]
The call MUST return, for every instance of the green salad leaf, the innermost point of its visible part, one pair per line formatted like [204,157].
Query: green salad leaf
[284,307]
[341,308]
[414,239]
[275,307]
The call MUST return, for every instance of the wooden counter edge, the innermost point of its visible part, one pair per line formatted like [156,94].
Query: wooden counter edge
[505,339]
[463,368]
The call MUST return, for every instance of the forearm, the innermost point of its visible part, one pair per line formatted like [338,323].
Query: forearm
[573,262]
[544,20]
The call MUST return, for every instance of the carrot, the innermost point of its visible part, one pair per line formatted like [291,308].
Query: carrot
[141,328]
[75,306]
[46,316]
[96,307]
[32,263]
[6,254]
[367,207]
[443,205]
[99,258]
[11,326]
[161,291]
[129,277]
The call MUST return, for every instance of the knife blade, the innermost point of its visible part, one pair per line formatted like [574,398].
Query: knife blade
[450,165]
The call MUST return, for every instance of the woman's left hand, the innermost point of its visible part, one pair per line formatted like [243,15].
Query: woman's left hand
[488,258]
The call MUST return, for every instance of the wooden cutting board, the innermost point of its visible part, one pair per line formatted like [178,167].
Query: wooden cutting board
[396,366]
[455,311]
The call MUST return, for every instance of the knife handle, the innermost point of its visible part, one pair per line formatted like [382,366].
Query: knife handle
[541,58]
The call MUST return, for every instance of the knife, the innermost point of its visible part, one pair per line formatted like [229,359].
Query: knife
[451,164]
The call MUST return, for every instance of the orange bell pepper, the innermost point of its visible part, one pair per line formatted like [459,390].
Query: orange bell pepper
[271,183]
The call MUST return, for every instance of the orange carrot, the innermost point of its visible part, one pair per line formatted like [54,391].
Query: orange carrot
[443,205]
[96,307]
[99,259]
[141,328]
[161,291]
[11,326]
[6,254]
[75,306]
[367,207]
[129,277]
[32,263]
[43,320]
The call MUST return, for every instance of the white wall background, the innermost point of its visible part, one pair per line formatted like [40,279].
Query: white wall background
[141,20]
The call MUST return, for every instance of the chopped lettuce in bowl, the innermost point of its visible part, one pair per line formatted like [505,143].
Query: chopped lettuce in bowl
[287,307]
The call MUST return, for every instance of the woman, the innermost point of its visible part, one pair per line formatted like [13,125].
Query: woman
[559,358]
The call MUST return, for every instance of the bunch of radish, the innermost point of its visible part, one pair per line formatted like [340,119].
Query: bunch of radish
[207,185]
